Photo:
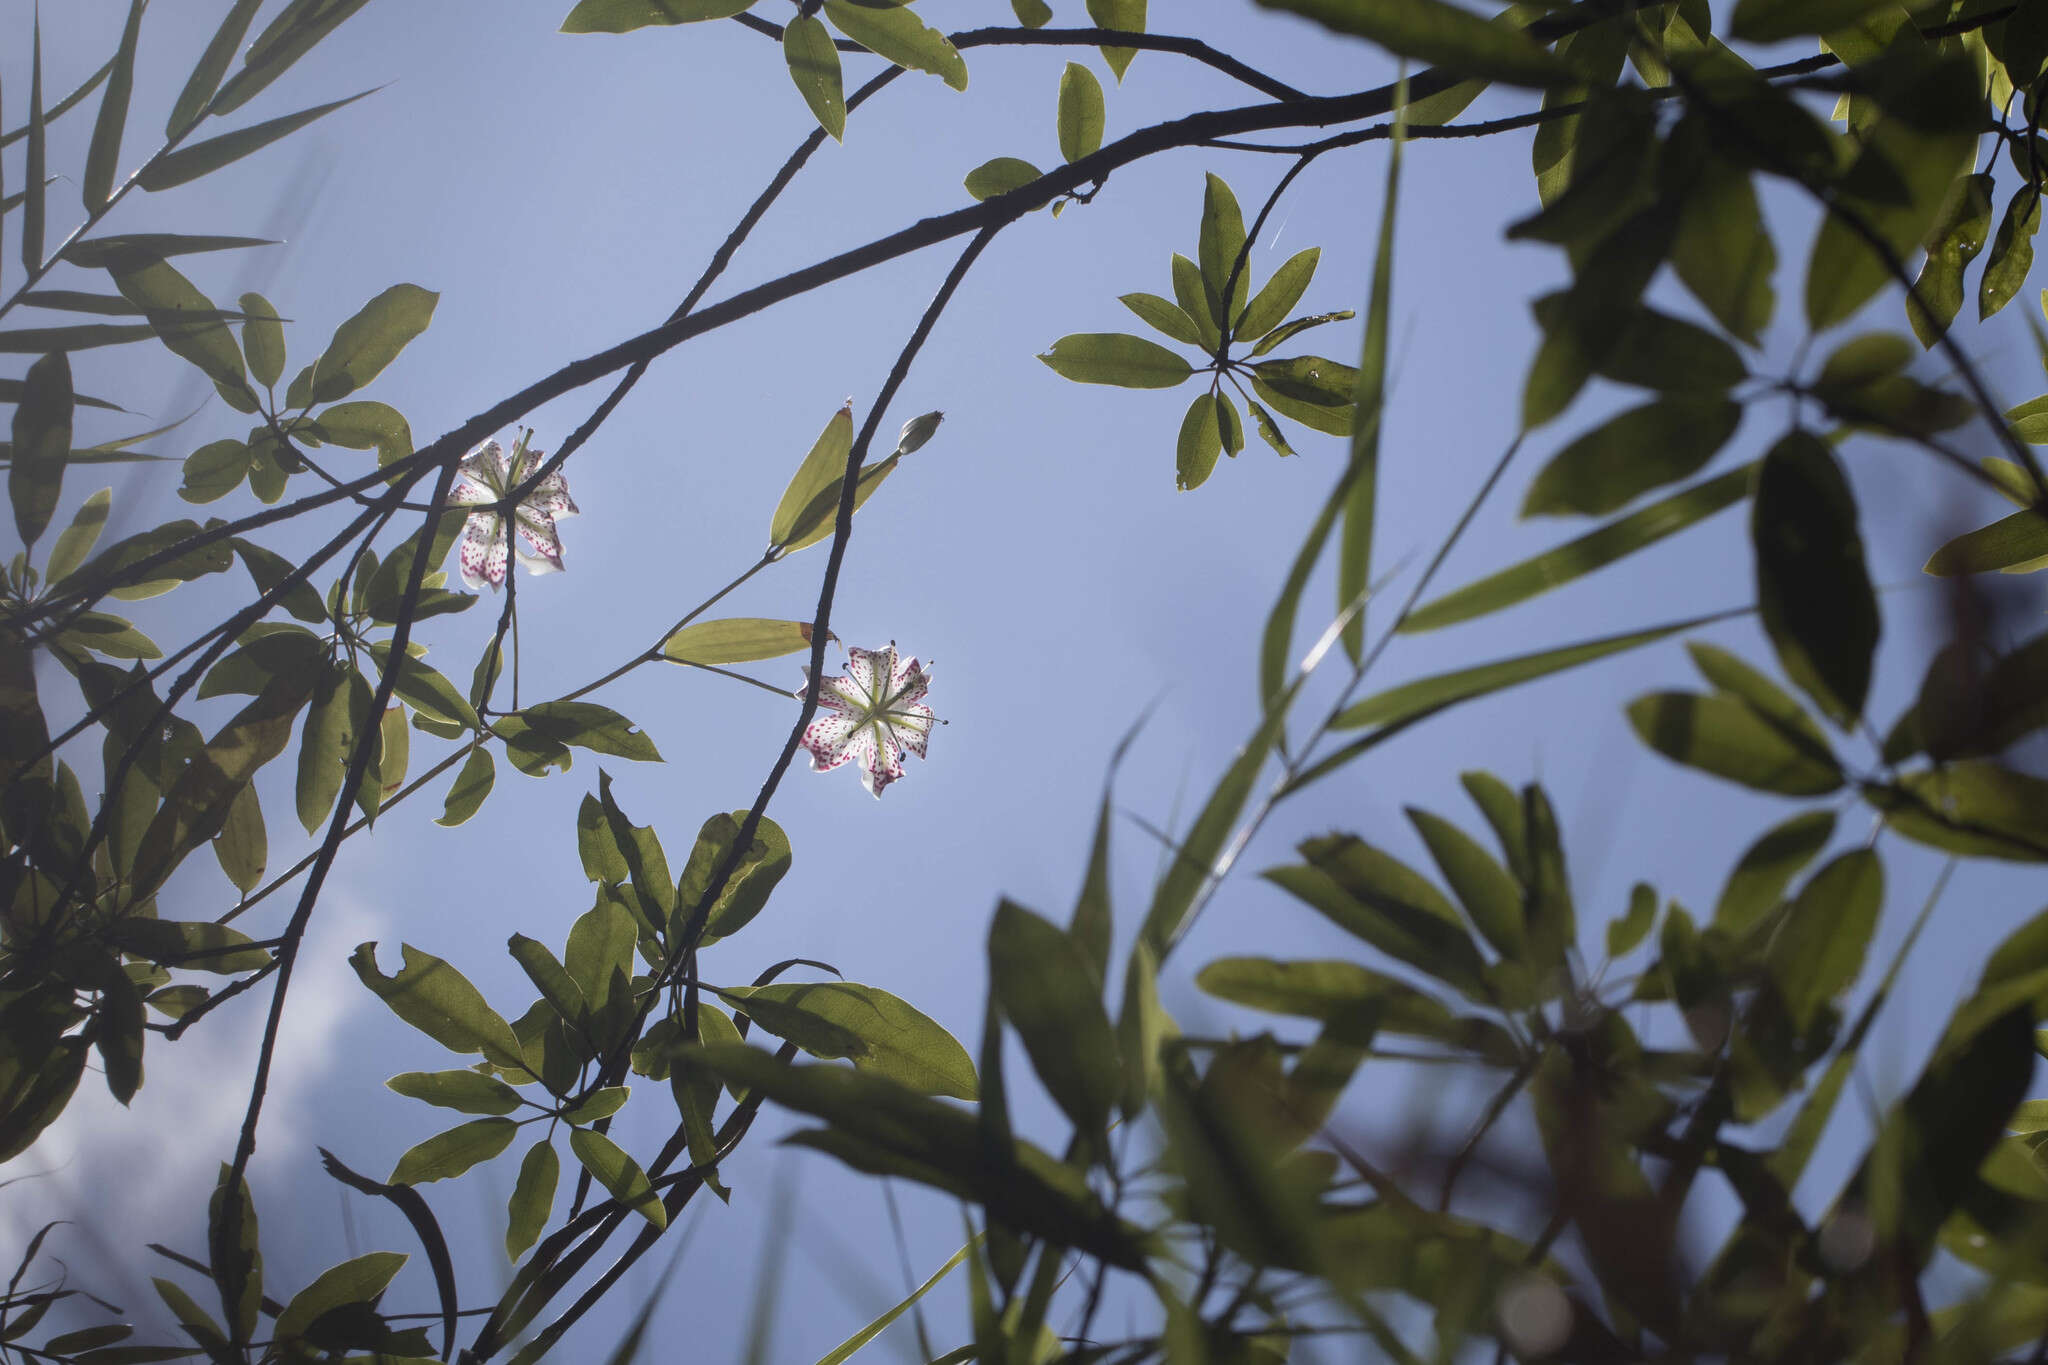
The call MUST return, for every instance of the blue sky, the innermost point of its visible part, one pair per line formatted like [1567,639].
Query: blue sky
[562,193]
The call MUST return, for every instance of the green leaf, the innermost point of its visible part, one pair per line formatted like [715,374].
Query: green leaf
[814,66]
[1116,358]
[846,1349]
[187,323]
[599,954]
[1382,901]
[878,1032]
[42,442]
[439,1001]
[1730,674]
[84,336]
[1725,736]
[36,175]
[1629,929]
[533,1198]
[1142,1025]
[618,1173]
[1124,16]
[198,802]
[1767,867]
[296,30]
[242,846]
[1312,381]
[1081,115]
[1031,14]
[472,785]
[1654,350]
[203,158]
[2011,544]
[1490,894]
[1438,33]
[372,339]
[360,1280]
[1409,701]
[1628,455]
[1812,588]
[77,539]
[449,1154]
[1000,175]
[105,151]
[198,946]
[1979,809]
[213,64]
[1221,243]
[1965,224]
[623,16]
[1770,21]
[467,1092]
[741,639]
[1723,250]
[1817,952]
[1368,391]
[1295,326]
[1164,317]
[2012,252]
[590,726]
[365,425]
[601,1104]
[1334,991]
[822,472]
[1193,300]
[563,995]
[1041,978]
[1199,443]
[1575,559]
[898,35]
[1277,297]
[327,740]
[883,1128]
[263,340]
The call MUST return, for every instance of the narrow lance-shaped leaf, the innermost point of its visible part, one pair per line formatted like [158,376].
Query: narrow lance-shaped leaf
[1361,504]
[1041,978]
[105,152]
[291,35]
[212,65]
[1575,559]
[35,176]
[203,158]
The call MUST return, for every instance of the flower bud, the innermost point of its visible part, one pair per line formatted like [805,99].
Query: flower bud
[917,431]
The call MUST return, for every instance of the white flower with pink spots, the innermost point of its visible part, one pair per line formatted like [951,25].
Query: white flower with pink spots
[872,713]
[482,481]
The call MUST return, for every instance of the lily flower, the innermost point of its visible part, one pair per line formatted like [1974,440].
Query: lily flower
[482,481]
[873,713]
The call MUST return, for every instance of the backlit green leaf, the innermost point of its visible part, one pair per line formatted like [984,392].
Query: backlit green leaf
[42,441]
[1643,448]
[533,1198]
[449,1154]
[1000,175]
[1041,978]
[2011,544]
[623,16]
[467,1092]
[738,640]
[618,1173]
[1081,115]
[898,35]
[1124,16]
[890,1037]
[439,1001]
[1116,358]
[1724,736]
[203,158]
[1768,866]
[1199,443]
[1277,297]
[814,66]
[367,342]
[101,157]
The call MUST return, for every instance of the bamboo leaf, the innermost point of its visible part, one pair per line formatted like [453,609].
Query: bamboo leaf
[203,158]
[105,151]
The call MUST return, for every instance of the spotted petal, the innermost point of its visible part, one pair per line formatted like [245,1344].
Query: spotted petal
[912,726]
[482,555]
[864,667]
[830,740]
[540,549]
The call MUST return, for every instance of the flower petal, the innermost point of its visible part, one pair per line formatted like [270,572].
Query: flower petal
[912,726]
[482,557]
[830,741]
[538,543]
[863,666]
